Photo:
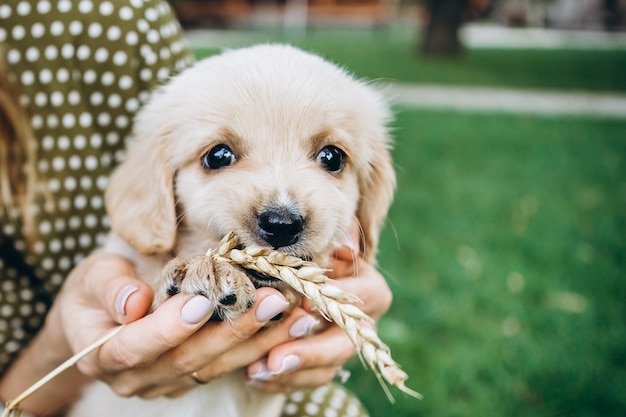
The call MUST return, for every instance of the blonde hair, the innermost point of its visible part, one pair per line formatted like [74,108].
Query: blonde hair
[19,183]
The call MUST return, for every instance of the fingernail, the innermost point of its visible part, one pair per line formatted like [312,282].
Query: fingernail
[303,326]
[289,363]
[122,297]
[196,310]
[261,372]
[270,307]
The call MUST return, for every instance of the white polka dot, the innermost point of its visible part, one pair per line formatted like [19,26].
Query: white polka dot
[163,74]
[91,221]
[69,183]
[91,163]
[125,82]
[45,227]
[13,56]
[63,75]
[32,54]
[84,240]
[83,52]
[80,142]
[120,58]
[64,6]
[143,26]
[37,30]
[106,8]
[47,142]
[56,28]
[85,6]
[126,13]
[138,4]
[41,99]
[3,34]
[69,120]
[76,28]
[5,11]
[94,30]
[56,99]
[95,141]
[86,182]
[290,409]
[101,182]
[23,8]
[58,163]
[107,78]
[312,409]
[51,52]
[114,33]
[151,14]
[69,243]
[67,51]
[132,38]
[85,119]
[122,121]
[54,185]
[37,121]
[74,162]
[18,32]
[65,263]
[52,121]
[90,76]
[297,396]
[43,6]
[104,119]
[329,412]
[101,55]
[96,98]
[45,76]
[28,77]
[73,97]
[54,246]
[153,36]
[132,104]
[64,204]
[96,202]
[114,101]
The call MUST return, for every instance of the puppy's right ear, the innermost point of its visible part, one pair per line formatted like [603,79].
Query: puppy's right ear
[140,196]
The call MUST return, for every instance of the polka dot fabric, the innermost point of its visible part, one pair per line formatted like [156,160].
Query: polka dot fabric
[84,68]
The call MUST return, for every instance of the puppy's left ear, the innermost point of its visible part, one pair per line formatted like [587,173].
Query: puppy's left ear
[140,194]
[377,186]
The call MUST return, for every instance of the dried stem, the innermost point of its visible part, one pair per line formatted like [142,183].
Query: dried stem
[333,303]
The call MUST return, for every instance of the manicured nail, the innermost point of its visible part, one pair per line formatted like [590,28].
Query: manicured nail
[289,363]
[196,310]
[122,297]
[260,372]
[270,307]
[303,326]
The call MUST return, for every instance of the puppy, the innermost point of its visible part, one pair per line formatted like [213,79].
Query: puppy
[273,143]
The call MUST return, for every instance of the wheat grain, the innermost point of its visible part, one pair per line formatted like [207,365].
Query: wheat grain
[333,303]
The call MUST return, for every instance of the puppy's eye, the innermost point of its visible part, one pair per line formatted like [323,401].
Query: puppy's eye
[332,159]
[218,157]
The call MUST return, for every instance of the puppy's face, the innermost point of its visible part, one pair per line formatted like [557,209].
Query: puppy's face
[275,144]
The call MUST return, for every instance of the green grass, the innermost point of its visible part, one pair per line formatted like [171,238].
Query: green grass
[391,54]
[506,252]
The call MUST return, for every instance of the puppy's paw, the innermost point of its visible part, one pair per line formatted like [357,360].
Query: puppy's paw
[227,286]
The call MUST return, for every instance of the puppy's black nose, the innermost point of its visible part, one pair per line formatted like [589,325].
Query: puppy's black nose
[280,227]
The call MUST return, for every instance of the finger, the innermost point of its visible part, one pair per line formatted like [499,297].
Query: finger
[112,284]
[307,378]
[331,348]
[202,349]
[299,324]
[141,342]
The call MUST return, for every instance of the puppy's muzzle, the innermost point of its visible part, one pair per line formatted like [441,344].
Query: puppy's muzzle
[280,227]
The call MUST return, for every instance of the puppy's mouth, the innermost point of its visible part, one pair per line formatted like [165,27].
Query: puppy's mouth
[261,280]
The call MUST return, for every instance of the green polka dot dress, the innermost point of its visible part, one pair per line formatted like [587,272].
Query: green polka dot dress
[84,68]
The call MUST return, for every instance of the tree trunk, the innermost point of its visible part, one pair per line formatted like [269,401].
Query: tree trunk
[441,35]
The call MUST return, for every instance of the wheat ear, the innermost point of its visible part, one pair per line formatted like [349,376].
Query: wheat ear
[333,303]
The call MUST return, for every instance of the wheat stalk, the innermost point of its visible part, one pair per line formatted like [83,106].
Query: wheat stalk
[333,303]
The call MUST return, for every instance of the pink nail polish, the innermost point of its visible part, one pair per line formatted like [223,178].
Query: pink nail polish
[122,297]
[270,307]
[262,372]
[303,326]
[196,310]
[289,363]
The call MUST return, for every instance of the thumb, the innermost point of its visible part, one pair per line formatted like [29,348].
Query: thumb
[113,285]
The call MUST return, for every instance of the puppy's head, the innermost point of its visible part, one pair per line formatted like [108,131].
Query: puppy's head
[271,142]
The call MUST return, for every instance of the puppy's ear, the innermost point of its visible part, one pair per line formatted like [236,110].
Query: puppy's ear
[140,195]
[377,186]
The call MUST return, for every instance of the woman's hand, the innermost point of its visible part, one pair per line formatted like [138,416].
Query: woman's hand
[152,355]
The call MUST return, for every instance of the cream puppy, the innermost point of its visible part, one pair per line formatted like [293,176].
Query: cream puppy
[273,143]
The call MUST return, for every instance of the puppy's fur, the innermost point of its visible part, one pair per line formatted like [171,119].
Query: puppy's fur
[271,142]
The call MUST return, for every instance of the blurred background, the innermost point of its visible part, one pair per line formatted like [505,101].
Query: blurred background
[505,247]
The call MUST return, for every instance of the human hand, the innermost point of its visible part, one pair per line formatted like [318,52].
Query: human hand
[314,361]
[153,354]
